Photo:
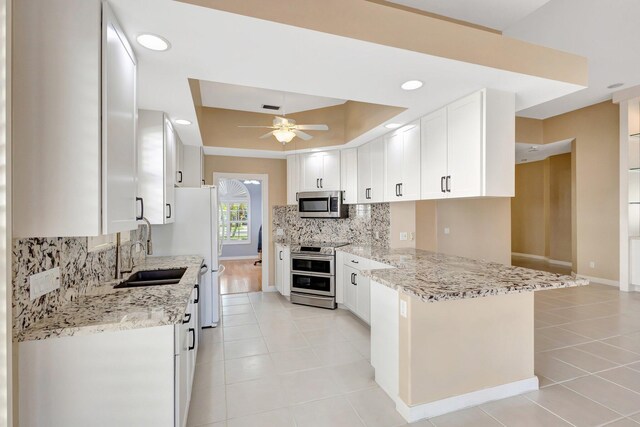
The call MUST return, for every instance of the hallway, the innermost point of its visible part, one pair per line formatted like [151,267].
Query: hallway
[240,276]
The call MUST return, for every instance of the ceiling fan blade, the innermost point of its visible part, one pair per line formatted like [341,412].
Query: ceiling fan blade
[266,135]
[302,135]
[265,127]
[312,127]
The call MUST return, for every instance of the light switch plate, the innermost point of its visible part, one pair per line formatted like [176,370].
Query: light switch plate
[403,235]
[45,282]
[446,230]
[403,308]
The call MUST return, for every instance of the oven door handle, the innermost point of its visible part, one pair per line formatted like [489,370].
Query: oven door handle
[308,273]
[319,257]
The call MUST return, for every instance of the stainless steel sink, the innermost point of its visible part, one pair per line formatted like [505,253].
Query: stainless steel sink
[153,278]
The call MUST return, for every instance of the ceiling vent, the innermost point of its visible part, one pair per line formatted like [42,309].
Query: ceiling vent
[270,107]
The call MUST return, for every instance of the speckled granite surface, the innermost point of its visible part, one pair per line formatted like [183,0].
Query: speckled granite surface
[366,225]
[107,309]
[436,277]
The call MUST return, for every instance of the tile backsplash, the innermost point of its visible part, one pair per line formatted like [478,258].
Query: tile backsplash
[366,225]
[80,271]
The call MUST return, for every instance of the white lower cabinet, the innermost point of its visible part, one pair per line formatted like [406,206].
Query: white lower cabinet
[353,289]
[134,377]
[283,269]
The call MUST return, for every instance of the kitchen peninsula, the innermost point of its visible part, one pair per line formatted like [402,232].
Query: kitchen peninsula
[449,332]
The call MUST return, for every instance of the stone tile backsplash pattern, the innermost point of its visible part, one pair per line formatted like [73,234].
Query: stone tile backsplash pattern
[80,271]
[366,225]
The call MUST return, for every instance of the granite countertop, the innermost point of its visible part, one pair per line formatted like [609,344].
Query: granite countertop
[107,309]
[434,277]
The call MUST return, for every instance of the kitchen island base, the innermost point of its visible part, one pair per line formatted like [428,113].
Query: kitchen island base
[432,358]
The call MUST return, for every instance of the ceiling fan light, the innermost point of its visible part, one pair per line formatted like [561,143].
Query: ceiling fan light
[284,135]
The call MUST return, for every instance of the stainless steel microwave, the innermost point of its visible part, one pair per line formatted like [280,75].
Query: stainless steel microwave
[322,204]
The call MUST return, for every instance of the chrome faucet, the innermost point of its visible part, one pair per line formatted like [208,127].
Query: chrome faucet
[149,244]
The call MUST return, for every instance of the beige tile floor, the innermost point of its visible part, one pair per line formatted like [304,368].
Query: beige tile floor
[277,364]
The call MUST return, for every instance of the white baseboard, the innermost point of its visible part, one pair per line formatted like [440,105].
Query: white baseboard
[542,258]
[451,404]
[232,258]
[600,280]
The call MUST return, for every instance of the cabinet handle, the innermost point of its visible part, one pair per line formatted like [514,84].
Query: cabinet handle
[352,279]
[280,256]
[187,318]
[448,184]
[297,197]
[203,182]
[192,331]
[195,301]
[442,178]
[354,261]
[400,189]
[141,200]
[321,183]
[397,190]
[317,182]
[180,179]
[169,206]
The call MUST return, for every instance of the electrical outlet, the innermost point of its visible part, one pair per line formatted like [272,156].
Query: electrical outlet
[446,230]
[45,282]
[411,235]
[403,308]
[279,232]
[592,264]
[403,235]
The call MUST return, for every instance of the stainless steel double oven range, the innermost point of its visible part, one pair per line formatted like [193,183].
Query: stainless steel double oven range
[313,274]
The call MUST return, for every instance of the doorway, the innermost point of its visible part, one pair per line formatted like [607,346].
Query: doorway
[244,254]
[542,209]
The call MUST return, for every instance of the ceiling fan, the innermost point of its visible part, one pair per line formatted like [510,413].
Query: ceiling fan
[285,130]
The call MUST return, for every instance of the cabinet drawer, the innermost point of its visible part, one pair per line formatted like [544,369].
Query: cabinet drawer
[357,262]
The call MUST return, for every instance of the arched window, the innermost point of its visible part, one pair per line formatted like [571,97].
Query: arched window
[235,211]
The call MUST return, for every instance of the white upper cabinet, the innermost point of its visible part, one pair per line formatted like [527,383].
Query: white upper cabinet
[371,172]
[320,171]
[293,179]
[434,154]
[349,175]
[402,164]
[179,157]
[192,173]
[74,121]
[468,147]
[156,166]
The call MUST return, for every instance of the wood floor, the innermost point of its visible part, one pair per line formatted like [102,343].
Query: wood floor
[240,276]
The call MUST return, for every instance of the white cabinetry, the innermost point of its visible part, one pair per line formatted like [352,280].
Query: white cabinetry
[402,164]
[320,171]
[349,175]
[179,158]
[74,121]
[468,149]
[156,166]
[135,377]
[371,172]
[293,179]
[192,171]
[283,269]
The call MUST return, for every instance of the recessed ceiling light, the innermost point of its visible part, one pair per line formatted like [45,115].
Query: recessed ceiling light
[182,122]
[411,85]
[392,125]
[615,85]
[153,42]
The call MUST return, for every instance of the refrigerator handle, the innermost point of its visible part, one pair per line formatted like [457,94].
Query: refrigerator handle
[204,269]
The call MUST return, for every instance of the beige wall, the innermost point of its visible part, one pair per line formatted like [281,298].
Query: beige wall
[596,132]
[276,169]
[559,224]
[380,24]
[455,347]
[403,219]
[529,131]
[541,209]
[360,117]
[527,210]
[478,228]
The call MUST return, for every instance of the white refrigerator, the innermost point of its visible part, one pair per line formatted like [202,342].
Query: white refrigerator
[195,232]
